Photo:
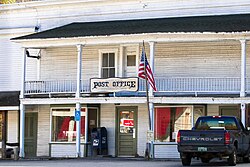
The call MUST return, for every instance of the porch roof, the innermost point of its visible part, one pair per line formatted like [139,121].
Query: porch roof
[220,23]
[10,98]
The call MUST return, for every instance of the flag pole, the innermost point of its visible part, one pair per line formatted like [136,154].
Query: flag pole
[146,78]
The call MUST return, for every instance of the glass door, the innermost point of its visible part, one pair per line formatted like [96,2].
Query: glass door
[127,131]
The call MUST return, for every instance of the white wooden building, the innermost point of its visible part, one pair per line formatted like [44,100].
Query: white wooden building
[198,52]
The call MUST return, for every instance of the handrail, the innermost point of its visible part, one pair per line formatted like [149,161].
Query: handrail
[173,84]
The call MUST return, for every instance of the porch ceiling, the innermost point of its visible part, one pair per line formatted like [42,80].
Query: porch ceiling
[215,24]
[138,100]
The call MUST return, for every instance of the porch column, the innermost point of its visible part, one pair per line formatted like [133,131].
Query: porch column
[243,68]
[78,105]
[22,106]
[151,104]
[243,113]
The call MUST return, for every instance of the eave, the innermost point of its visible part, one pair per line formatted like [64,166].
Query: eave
[134,38]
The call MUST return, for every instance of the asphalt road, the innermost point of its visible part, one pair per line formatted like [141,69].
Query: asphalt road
[112,162]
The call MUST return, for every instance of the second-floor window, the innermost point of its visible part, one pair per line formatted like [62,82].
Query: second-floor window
[107,63]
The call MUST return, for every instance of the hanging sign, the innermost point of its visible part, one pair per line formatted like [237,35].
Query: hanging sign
[113,84]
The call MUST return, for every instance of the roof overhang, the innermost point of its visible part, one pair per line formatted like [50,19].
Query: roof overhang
[133,38]
[200,28]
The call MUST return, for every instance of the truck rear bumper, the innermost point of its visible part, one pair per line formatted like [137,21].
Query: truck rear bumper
[213,151]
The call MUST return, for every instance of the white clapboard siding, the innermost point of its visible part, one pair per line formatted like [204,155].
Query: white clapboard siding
[189,59]
[166,151]
[11,66]
[65,150]
[52,14]
[198,59]
[43,132]
[107,117]
[142,129]
[61,63]
[10,63]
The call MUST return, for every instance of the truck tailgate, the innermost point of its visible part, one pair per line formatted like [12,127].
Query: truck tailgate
[201,138]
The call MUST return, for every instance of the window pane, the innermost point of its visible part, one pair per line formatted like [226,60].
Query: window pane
[111,60]
[169,120]
[105,60]
[111,72]
[131,60]
[64,127]
[105,73]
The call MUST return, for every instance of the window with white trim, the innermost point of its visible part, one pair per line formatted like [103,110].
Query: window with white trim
[108,64]
[64,126]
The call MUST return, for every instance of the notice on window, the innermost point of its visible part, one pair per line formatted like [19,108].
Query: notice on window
[113,84]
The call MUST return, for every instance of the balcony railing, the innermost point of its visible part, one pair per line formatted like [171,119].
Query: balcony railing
[174,85]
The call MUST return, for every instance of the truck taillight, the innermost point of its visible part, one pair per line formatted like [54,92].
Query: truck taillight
[216,116]
[178,137]
[227,137]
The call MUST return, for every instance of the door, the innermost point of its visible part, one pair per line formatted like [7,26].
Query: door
[127,131]
[30,138]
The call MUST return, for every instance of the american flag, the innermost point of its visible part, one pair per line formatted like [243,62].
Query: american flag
[149,73]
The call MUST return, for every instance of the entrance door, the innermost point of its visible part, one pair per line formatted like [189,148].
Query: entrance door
[127,131]
[30,138]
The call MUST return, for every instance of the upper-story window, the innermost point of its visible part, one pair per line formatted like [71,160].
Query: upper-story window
[131,60]
[108,64]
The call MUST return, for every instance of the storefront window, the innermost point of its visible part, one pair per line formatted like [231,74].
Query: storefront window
[1,125]
[169,120]
[64,125]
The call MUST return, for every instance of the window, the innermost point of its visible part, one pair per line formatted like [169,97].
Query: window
[1,125]
[230,110]
[169,120]
[64,125]
[108,65]
[131,60]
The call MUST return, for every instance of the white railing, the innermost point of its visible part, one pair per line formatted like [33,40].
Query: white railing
[177,84]
[196,84]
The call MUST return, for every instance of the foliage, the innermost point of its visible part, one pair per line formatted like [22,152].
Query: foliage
[7,1]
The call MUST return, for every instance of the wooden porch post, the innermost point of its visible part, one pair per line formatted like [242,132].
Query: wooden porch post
[78,105]
[22,106]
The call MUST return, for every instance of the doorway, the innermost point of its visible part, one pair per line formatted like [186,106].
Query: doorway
[127,131]
[30,138]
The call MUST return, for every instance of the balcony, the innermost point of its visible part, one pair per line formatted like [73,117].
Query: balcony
[166,86]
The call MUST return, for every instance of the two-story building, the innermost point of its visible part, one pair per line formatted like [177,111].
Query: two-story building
[198,51]
[200,67]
